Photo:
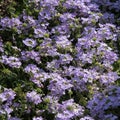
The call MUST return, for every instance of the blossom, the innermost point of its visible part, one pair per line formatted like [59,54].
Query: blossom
[66,17]
[7,22]
[102,102]
[68,69]
[68,109]
[62,41]
[33,97]
[49,2]
[11,61]
[7,95]
[37,118]
[31,68]
[14,118]
[39,32]
[58,85]
[87,118]
[27,55]
[1,45]
[30,42]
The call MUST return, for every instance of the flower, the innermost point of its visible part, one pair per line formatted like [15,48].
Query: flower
[87,118]
[37,118]
[11,61]
[62,41]
[7,95]
[30,42]
[33,97]
[69,109]
[31,68]
[58,85]
[14,118]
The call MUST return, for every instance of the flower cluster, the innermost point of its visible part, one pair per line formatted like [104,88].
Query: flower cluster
[103,102]
[68,109]
[33,97]
[57,61]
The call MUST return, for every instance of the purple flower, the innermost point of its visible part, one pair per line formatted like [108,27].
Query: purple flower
[107,18]
[91,20]
[53,104]
[7,95]
[68,109]
[107,99]
[49,3]
[14,118]
[7,109]
[7,22]
[62,41]
[39,77]
[33,97]
[62,29]
[109,78]
[111,117]
[31,68]
[39,32]
[1,45]
[65,58]
[67,17]
[27,55]
[37,118]
[29,21]
[46,14]
[30,42]
[11,61]
[58,85]
[67,53]
[87,118]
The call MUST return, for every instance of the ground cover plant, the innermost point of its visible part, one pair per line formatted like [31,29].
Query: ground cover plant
[59,60]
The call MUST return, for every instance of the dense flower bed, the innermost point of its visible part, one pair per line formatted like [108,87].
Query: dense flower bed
[59,60]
